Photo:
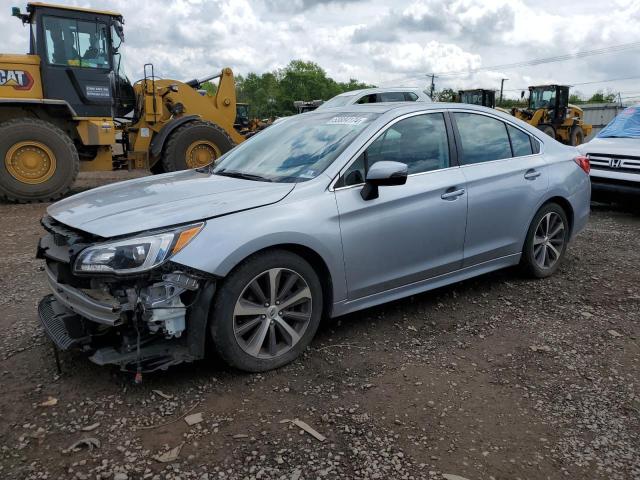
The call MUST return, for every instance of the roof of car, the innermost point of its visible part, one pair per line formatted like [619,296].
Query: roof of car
[405,107]
[380,90]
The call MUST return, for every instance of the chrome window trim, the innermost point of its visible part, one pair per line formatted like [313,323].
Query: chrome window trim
[423,112]
[375,136]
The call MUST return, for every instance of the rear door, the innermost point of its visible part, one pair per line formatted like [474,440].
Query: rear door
[410,232]
[506,178]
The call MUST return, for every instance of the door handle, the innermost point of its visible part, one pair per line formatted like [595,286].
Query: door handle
[452,194]
[532,174]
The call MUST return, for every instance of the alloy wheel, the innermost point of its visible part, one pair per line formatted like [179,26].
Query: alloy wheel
[548,241]
[272,313]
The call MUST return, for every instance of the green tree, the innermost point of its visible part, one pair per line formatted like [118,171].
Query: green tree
[602,97]
[273,93]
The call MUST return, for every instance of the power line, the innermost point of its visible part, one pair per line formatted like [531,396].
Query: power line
[540,61]
[577,84]
[612,49]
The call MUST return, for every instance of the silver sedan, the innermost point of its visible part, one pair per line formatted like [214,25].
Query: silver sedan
[324,214]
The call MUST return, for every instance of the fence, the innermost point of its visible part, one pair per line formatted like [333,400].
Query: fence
[599,115]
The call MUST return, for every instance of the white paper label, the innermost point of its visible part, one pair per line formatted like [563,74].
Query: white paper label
[346,120]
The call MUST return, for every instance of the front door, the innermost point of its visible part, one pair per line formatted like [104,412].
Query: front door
[410,232]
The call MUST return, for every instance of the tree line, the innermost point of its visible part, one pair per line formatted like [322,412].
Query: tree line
[272,94]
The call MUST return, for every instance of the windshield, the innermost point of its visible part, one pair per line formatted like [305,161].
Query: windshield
[473,98]
[625,125]
[339,101]
[542,98]
[295,150]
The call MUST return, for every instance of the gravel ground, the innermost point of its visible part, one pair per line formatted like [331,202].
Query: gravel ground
[499,377]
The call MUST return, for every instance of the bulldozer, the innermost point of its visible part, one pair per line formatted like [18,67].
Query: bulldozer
[67,106]
[550,111]
[478,96]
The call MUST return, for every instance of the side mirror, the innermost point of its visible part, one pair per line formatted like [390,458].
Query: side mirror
[382,174]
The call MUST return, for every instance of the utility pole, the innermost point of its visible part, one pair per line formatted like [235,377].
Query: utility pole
[502,88]
[433,85]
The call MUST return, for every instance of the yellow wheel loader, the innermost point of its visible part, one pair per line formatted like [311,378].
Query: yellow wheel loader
[66,103]
[550,111]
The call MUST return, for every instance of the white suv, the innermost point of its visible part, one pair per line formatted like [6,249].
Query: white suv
[377,95]
[614,155]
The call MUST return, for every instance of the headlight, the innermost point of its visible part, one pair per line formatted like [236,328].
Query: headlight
[137,254]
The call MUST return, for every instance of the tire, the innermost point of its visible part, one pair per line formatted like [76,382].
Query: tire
[232,330]
[56,160]
[532,254]
[157,168]
[548,129]
[576,136]
[182,142]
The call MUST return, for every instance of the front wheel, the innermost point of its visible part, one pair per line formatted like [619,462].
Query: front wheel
[266,311]
[193,145]
[546,241]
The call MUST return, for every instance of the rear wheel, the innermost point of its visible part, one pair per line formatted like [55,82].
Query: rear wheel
[266,311]
[195,144]
[40,161]
[576,136]
[546,241]
[548,129]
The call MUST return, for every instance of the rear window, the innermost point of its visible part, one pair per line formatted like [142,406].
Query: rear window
[483,138]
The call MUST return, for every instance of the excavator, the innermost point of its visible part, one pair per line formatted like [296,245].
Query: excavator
[66,103]
[550,111]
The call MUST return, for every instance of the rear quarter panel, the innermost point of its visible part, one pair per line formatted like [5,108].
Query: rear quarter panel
[567,180]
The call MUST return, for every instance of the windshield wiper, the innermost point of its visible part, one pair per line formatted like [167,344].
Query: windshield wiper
[242,175]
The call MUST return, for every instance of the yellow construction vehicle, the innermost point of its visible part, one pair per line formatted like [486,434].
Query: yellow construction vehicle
[64,105]
[550,111]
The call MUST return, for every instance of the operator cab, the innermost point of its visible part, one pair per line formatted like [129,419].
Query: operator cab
[79,58]
[554,98]
[479,96]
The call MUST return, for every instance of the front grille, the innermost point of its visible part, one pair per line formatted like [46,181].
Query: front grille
[615,163]
[54,324]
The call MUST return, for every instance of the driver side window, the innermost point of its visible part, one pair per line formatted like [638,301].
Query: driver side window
[420,142]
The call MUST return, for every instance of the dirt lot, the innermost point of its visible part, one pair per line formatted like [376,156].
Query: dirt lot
[499,377]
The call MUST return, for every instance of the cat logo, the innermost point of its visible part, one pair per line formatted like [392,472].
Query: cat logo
[18,79]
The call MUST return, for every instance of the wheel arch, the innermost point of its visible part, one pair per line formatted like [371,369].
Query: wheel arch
[566,206]
[563,203]
[159,140]
[314,259]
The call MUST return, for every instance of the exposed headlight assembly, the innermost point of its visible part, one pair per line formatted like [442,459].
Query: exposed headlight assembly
[137,254]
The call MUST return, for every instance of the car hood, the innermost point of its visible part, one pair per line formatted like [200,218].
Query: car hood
[161,201]
[612,146]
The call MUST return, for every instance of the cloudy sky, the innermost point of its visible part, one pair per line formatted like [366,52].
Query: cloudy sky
[383,42]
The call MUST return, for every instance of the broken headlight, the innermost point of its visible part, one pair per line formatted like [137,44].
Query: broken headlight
[134,255]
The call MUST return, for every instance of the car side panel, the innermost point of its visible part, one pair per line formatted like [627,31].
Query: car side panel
[501,203]
[307,220]
[568,181]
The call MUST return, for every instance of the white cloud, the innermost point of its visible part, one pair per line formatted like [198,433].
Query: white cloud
[377,41]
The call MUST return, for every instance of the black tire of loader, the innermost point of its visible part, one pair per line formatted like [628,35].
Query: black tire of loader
[174,152]
[67,161]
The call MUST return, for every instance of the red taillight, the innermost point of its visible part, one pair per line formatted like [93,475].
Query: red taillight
[583,163]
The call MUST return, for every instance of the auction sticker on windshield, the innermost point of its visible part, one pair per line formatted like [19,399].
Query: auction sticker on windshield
[346,120]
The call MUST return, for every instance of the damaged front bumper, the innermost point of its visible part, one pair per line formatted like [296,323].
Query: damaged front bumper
[140,323]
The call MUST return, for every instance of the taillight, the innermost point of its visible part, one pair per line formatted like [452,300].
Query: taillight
[583,163]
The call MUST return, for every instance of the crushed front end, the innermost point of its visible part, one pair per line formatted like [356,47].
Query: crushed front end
[124,302]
